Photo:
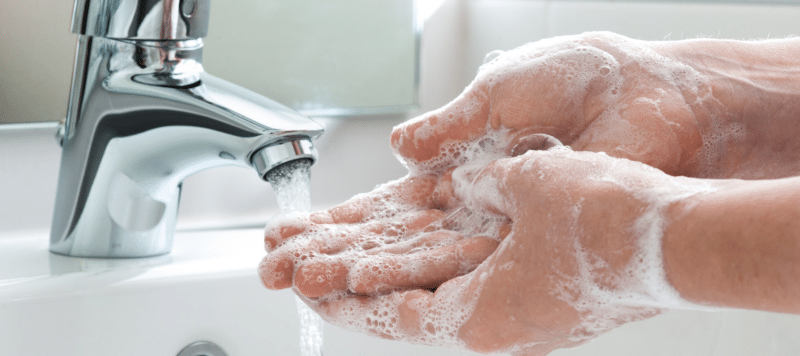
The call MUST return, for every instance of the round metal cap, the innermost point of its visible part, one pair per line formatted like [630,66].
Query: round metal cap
[202,348]
[276,154]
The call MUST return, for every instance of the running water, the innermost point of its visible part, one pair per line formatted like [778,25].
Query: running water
[291,184]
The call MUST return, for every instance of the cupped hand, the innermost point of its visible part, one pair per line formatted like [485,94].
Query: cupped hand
[597,92]
[581,257]
[383,240]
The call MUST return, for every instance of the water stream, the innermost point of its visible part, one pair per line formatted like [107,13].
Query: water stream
[292,189]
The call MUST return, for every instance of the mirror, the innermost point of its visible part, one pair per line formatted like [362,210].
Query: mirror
[324,58]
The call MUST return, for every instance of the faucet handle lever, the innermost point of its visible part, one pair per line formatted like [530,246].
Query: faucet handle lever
[149,20]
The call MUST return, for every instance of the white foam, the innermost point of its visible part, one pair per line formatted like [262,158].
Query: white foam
[643,286]
[438,325]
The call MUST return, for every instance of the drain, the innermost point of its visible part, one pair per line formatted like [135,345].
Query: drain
[202,348]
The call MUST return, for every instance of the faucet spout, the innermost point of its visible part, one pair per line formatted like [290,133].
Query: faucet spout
[142,116]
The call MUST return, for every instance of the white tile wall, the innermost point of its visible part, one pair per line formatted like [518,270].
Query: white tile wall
[667,20]
[505,24]
[502,25]
[29,160]
[442,55]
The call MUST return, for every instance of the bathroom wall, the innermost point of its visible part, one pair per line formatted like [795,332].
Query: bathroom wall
[354,151]
[36,54]
[505,24]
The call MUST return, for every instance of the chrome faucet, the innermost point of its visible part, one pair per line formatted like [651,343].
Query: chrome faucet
[142,116]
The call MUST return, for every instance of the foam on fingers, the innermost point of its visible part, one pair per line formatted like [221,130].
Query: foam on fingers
[463,119]
[421,242]
[321,276]
[415,316]
[282,227]
[276,271]
[427,268]
[352,211]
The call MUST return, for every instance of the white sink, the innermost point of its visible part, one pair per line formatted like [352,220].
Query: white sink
[207,289]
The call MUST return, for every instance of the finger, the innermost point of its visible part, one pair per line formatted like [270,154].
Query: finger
[536,142]
[426,269]
[276,270]
[408,193]
[376,233]
[380,233]
[417,316]
[322,276]
[277,267]
[282,227]
[494,187]
[413,191]
[350,212]
[424,139]
[426,240]
[443,197]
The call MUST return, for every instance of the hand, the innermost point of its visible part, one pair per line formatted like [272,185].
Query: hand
[599,92]
[581,90]
[582,258]
[573,90]
[594,92]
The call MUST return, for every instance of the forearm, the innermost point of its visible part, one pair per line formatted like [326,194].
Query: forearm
[747,104]
[738,247]
[751,78]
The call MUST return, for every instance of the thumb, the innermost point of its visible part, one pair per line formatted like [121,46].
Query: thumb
[485,185]
[425,139]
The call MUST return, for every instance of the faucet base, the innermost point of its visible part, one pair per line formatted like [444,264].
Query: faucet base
[143,116]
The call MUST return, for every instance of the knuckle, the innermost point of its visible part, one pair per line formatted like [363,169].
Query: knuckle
[275,273]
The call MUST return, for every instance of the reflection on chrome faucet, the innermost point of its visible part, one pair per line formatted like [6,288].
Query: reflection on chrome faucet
[142,116]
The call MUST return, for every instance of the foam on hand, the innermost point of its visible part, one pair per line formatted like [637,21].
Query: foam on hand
[643,286]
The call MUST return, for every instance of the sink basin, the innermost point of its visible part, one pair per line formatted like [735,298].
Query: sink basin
[208,289]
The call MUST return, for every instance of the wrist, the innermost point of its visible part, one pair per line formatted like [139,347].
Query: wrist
[744,102]
[737,247]
[671,200]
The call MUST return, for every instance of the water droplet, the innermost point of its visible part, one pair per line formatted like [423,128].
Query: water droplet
[492,55]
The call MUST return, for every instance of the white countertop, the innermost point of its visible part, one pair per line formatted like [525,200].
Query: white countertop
[29,270]
[206,289]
